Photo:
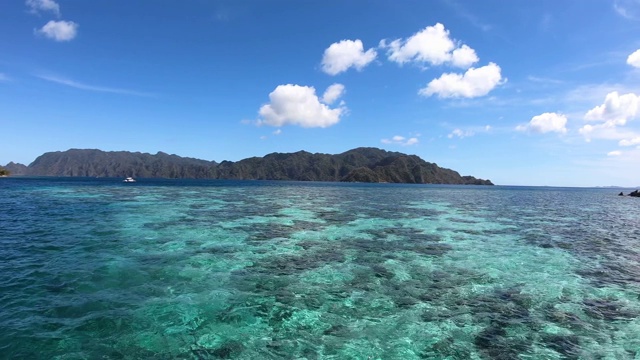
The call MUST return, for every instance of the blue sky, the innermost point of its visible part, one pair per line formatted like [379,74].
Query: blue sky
[520,92]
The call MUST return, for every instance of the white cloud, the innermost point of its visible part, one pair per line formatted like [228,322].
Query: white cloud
[606,131]
[544,123]
[614,153]
[400,140]
[612,115]
[59,30]
[298,105]
[3,77]
[277,132]
[341,56]
[634,59]
[630,142]
[616,110]
[35,6]
[460,133]
[332,93]
[463,57]
[432,45]
[474,82]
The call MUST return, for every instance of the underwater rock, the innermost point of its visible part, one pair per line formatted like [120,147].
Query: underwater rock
[604,309]
[447,348]
[507,307]
[285,265]
[405,302]
[495,344]
[228,350]
[380,271]
[565,319]
[337,330]
[567,345]
[490,336]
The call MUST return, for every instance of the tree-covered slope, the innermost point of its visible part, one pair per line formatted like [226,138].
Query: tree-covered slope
[360,164]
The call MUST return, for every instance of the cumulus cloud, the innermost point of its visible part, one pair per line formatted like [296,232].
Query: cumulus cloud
[634,59]
[59,30]
[474,82]
[616,110]
[298,105]
[463,57]
[611,116]
[341,56]
[614,153]
[544,123]
[36,6]
[333,93]
[432,45]
[630,142]
[400,140]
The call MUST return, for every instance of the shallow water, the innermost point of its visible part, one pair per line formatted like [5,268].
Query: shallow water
[165,269]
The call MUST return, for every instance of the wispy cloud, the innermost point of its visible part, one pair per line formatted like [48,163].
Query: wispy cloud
[465,14]
[628,9]
[543,80]
[36,6]
[82,86]
[468,132]
[400,140]
[3,77]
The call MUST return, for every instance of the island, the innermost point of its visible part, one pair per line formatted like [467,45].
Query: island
[364,164]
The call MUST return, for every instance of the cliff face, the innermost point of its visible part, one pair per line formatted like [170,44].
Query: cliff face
[361,165]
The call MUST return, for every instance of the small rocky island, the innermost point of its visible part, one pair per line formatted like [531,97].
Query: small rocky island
[363,164]
[634,193]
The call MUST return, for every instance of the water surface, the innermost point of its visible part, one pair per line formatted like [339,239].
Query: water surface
[166,269]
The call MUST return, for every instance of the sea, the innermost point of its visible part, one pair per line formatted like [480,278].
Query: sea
[211,269]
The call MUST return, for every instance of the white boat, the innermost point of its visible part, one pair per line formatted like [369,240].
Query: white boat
[129,179]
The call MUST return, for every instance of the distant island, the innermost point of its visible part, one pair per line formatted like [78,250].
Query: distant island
[371,165]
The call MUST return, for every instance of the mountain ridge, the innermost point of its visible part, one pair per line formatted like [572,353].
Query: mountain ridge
[363,164]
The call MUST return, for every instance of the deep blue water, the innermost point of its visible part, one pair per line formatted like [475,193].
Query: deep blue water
[166,269]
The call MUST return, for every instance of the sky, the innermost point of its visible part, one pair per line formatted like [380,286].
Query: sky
[521,92]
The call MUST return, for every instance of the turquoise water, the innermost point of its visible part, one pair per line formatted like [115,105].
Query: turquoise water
[160,269]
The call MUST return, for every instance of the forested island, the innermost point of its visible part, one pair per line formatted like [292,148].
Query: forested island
[356,165]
